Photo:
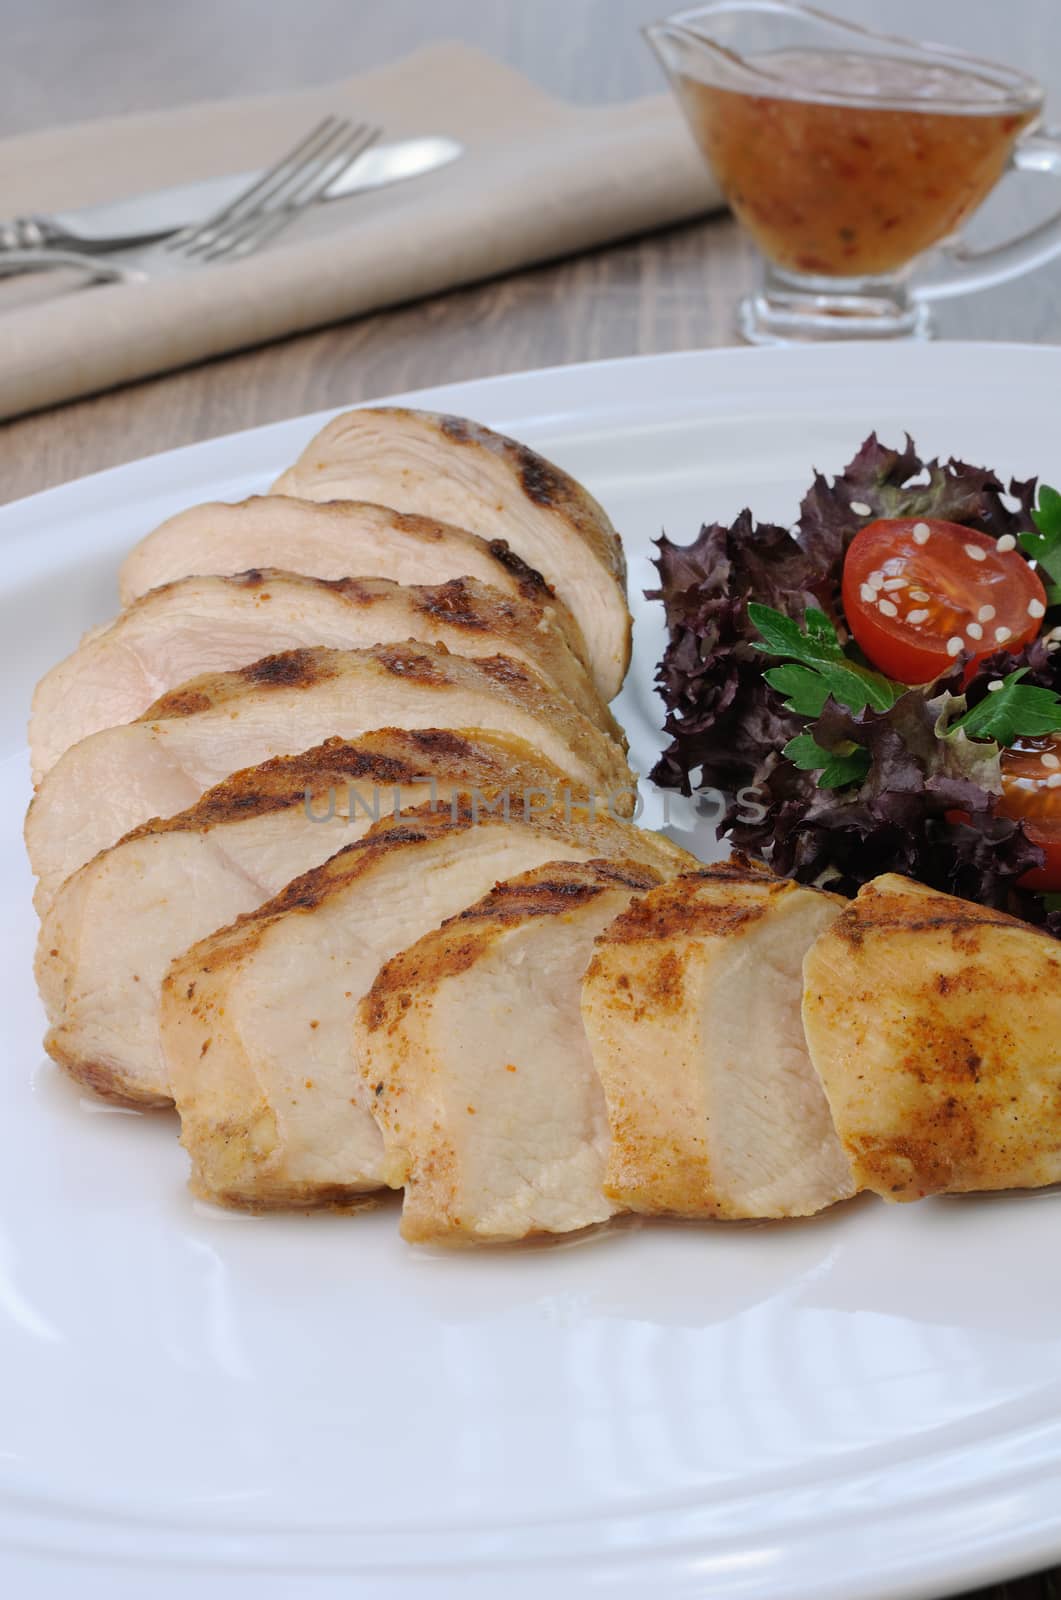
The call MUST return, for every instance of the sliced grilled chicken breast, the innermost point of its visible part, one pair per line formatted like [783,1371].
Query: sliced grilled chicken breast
[473,1052]
[935,1025]
[113,928]
[215,725]
[449,467]
[257,1020]
[337,539]
[692,1008]
[216,624]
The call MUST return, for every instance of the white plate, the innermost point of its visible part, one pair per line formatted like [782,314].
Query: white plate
[863,1405]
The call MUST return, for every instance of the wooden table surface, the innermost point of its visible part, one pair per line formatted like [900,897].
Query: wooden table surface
[68,59]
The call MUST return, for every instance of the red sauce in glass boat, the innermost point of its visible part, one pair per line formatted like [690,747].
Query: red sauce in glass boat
[853,189]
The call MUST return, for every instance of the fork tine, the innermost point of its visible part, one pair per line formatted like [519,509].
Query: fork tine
[304,152]
[275,188]
[247,234]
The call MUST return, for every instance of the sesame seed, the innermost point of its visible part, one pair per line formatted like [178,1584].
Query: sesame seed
[889,608]
[920,594]
[1002,634]
[1036,608]
[1054,781]
[917,616]
[974,552]
[955,646]
[921,532]
[868,595]
[986,614]
[876,580]
[975,631]
[861,509]
[997,684]
[1006,543]
[895,583]
[1048,759]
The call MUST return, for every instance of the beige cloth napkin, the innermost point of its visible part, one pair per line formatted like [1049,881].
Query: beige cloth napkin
[538,179]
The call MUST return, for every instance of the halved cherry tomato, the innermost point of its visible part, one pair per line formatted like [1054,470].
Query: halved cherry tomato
[918,593]
[1031,793]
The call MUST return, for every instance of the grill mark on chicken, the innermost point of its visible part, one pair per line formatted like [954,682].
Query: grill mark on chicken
[183,702]
[217,623]
[455,604]
[414,664]
[552,891]
[676,911]
[328,541]
[494,486]
[531,582]
[420,825]
[541,481]
[255,722]
[290,669]
[502,669]
[292,780]
[420,871]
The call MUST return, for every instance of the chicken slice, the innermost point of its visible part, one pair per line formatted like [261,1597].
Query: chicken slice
[333,539]
[472,1048]
[449,467]
[215,624]
[935,1025]
[114,926]
[215,725]
[257,1020]
[692,1007]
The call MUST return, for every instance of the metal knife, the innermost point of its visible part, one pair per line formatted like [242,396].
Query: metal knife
[119,224]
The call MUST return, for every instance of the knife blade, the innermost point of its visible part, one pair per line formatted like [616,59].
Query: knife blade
[163,211]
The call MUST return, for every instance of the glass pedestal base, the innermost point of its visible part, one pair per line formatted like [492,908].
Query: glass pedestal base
[791,309]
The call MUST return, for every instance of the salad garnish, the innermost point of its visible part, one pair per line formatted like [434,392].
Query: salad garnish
[862,760]
[1044,545]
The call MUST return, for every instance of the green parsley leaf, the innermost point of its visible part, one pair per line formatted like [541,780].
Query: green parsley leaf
[805,690]
[1015,710]
[825,668]
[1045,546]
[848,764]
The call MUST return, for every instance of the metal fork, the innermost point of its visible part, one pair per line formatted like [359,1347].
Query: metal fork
[238,229]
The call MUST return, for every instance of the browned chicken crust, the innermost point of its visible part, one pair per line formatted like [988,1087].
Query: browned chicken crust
[336,539]
[390,758]
[224,621]
[497,1131]
[114,926]
[551,891]
[539,480]
[935,1025]
[691,1004]
[456,469]
[420,825]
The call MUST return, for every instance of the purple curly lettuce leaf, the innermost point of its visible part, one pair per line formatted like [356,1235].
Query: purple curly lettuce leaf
[721,714]
[885,480]
[926,806]
[925,810]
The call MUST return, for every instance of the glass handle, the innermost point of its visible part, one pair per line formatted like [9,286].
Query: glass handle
[963,269]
